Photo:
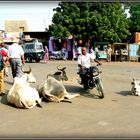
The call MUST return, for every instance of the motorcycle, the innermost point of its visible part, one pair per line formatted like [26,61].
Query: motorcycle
[92,80]
[57,55]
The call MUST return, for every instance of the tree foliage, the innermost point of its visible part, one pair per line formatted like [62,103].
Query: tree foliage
[135,17]
[101,21]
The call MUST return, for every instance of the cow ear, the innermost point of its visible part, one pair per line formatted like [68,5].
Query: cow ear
[63,68]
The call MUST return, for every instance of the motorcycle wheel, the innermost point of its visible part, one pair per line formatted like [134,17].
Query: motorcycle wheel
[85,85]
[100,88]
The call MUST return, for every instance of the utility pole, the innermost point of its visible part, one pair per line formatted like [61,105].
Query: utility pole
[3,33]
[45,23]
[46,29]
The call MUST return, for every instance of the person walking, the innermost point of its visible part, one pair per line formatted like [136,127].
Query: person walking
[46,56]
[108,51]
[92,52]
[4,52]
[2,86]
[79,50]
[97,52]
[64,53]
[16,58]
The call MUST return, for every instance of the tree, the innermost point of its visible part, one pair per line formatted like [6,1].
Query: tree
[135,17]
[101,21]
[110,22]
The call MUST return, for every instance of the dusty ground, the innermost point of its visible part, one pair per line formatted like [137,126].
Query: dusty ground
[117,115]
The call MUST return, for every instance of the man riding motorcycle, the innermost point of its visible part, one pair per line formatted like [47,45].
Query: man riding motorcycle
[84,63]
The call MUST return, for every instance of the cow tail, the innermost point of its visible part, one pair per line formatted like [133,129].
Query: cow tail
[38,104]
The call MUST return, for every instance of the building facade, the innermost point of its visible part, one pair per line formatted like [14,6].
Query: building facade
[16,26]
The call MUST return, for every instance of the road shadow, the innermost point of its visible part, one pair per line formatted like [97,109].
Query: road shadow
[80,90]
[5,101]
[124,93]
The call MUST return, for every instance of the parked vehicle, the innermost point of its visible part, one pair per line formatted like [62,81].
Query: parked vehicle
[33,51]
[102,49]
[120,52]
[57,55]
[93,80]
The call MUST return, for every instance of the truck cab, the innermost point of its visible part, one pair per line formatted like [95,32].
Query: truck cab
[33,51]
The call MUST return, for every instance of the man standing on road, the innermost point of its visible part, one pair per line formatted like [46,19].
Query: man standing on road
[108,51]
[84,62]
[97,52]
[16,58]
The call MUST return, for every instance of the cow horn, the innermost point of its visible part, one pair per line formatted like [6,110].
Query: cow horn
[58,68]
[49,75]
[29,71]
[61,68]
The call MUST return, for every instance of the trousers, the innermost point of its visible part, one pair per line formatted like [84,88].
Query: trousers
[16,65]
[87,70]
[2,81]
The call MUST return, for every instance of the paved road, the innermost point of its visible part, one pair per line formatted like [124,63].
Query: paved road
[117,115]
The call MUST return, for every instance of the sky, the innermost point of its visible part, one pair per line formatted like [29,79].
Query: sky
[37,14]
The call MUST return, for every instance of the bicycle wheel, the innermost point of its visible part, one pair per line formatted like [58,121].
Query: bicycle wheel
[100,88]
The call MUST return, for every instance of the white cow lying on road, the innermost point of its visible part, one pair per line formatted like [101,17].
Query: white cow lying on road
[21,94]
[53,89]
[135,90]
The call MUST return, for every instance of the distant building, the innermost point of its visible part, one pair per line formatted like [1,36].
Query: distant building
[16,26]
[137,38]
[42,36]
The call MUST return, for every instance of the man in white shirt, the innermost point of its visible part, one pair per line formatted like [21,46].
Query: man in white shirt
[16,58]
[79,50]
[108,51]
[84,62]
[97,52]
[92,53]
